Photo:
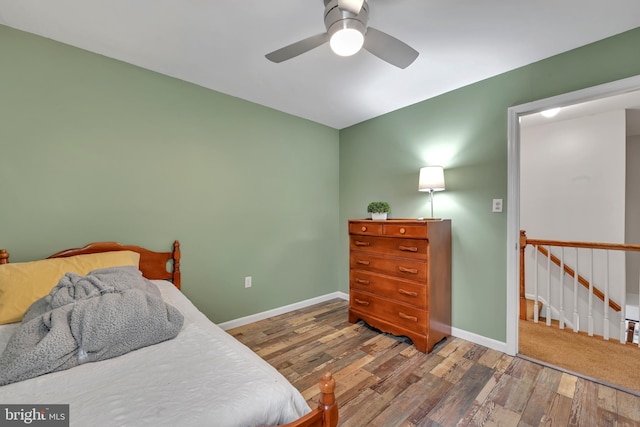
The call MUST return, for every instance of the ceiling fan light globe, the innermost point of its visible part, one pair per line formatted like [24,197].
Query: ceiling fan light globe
[346,41]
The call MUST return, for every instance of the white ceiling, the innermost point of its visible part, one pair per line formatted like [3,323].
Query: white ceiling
[221,44]
[627,101]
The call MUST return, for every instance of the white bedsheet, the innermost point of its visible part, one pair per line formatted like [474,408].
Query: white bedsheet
[203,377]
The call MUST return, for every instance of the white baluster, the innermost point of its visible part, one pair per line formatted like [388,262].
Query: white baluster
[535,286]
[590,316]
[576,319]
[623,317]
[562,288]
[549,286]
[606,300]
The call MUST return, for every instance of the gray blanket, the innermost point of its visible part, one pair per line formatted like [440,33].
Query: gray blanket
[105,314]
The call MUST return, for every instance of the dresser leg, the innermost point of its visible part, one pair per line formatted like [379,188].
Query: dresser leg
[353,318]
[420,343]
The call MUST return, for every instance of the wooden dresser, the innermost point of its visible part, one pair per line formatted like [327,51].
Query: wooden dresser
[400,277]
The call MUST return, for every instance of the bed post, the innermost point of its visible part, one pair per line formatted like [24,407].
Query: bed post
[4,256]
[328,401]
[176,264]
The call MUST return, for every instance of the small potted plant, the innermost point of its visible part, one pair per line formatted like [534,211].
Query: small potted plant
[379,210]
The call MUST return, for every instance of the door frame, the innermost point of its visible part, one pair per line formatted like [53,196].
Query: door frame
[617,87]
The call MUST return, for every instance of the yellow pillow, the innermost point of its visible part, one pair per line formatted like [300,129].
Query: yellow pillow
[22,283]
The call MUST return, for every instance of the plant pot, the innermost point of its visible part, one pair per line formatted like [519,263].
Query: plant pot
[378,215]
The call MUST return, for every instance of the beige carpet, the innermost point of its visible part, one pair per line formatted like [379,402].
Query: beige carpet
[606,361]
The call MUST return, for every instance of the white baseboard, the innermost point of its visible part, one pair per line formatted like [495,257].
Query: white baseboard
[281,310]
[480,340]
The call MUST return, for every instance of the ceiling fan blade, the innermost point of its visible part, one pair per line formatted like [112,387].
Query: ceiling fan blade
[352,6]
[389,48]
[297,48]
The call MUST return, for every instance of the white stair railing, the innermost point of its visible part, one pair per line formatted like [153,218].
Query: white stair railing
[610,316]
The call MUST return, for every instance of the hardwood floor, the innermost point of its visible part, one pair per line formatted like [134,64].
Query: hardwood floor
[384,381]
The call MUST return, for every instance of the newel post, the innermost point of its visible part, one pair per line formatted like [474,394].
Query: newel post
[523,301]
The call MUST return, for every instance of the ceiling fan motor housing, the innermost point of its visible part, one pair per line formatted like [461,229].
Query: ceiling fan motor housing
[347,25]
[336,19]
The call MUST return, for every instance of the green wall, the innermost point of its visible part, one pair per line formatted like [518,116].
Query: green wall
[94,149]
[466,132]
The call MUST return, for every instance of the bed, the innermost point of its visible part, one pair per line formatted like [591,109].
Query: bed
[202,377]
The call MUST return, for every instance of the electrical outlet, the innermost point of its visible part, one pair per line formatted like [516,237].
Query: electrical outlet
[247,282]
[497,205]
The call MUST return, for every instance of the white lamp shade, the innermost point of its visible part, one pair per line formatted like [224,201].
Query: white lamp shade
[431,178]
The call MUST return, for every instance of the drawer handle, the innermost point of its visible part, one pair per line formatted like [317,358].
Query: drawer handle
[359,301]
[408,270]
[359,243]
[402,231]
[363,262]
[404,316]
[408,248]
[362,282]
[364,228]
[408,293]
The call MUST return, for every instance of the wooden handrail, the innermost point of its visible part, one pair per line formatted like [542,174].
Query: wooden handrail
[584,282]
[539,243]
[585,245]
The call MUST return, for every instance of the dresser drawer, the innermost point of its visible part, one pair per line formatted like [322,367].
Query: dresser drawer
[399,230]
[402,290]
[411,248]
[398,267]
[364,227]
[395,312]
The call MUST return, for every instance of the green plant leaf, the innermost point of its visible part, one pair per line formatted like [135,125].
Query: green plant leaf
[378,207]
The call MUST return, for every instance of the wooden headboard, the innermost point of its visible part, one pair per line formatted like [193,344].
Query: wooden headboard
[153,265]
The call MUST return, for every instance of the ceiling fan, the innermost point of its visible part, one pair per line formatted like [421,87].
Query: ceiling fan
[347,32]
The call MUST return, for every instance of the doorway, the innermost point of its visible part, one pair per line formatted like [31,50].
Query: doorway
[606,91]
